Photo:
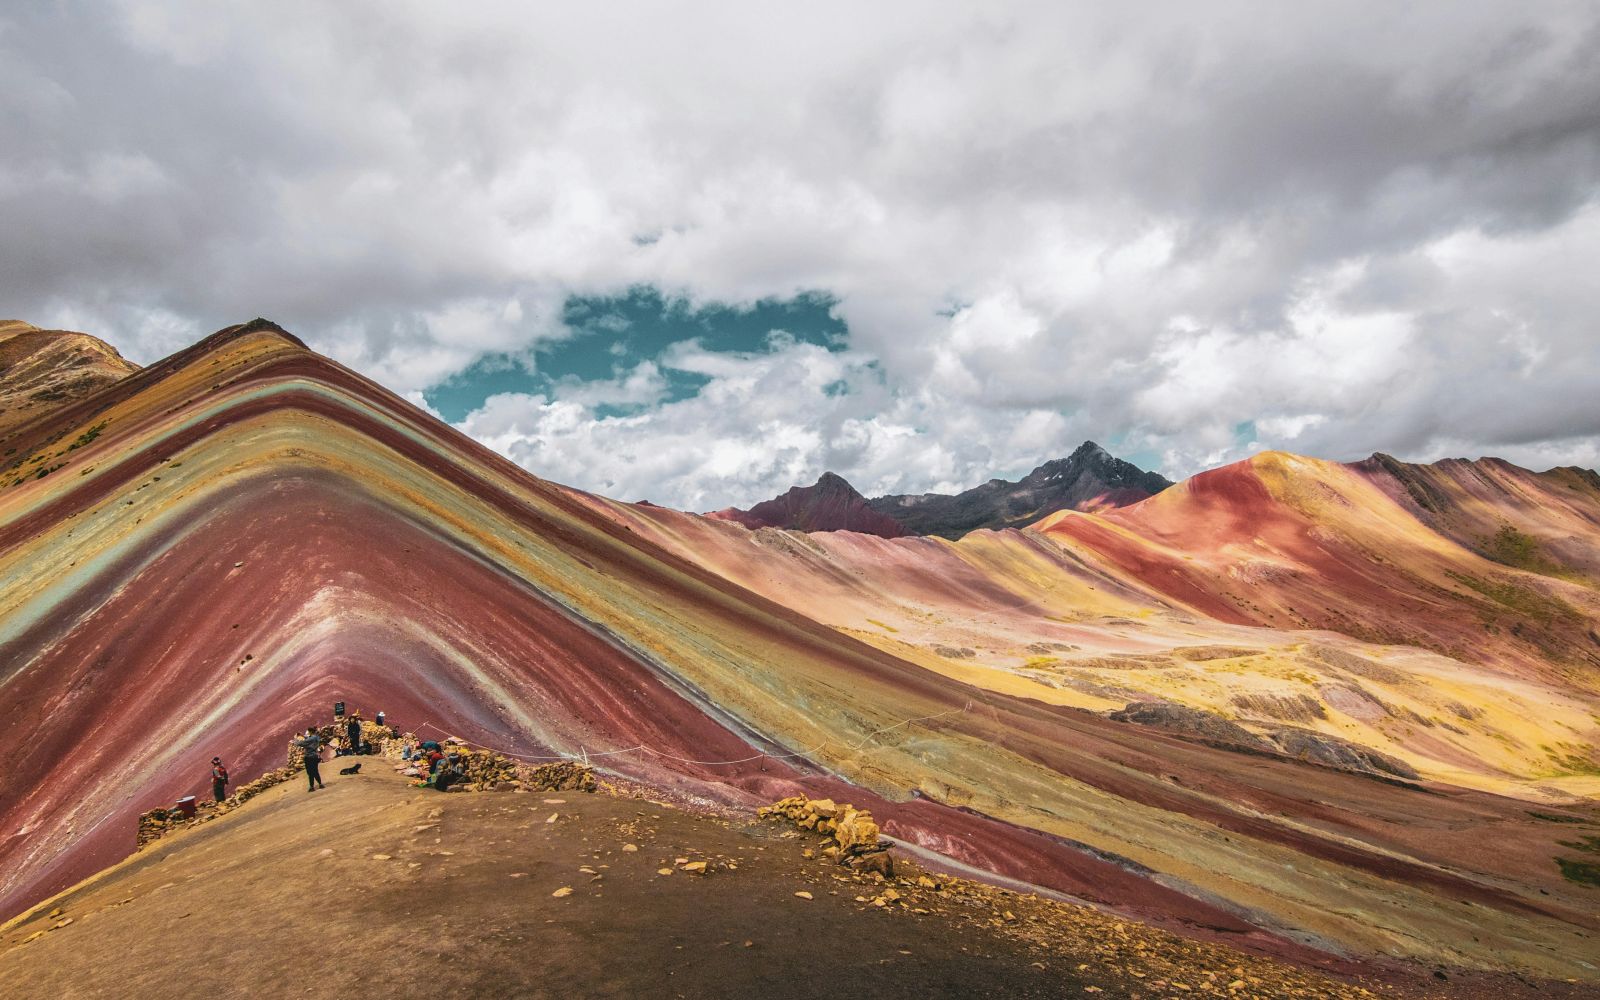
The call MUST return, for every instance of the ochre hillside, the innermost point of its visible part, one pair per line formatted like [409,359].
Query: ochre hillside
[42,370]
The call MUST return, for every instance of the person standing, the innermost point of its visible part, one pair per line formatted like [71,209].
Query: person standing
[311,743]
[353,731]
[219,779]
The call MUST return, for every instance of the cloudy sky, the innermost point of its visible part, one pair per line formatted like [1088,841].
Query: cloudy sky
[699,253]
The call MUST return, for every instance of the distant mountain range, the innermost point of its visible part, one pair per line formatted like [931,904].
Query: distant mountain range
[1089,479]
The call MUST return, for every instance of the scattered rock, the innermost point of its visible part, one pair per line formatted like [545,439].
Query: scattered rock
[562,892]
[1186,721]
[874,861]
[804,895]
[1332,751]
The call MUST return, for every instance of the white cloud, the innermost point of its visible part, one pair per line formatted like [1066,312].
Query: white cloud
[761,420]
[1359,226]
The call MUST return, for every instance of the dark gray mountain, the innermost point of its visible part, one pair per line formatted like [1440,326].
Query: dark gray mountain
[1089,479]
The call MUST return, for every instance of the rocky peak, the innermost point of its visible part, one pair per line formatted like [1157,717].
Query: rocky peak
[832,484]
[832,504]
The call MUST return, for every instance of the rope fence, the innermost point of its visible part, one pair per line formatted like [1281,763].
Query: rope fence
[585,756]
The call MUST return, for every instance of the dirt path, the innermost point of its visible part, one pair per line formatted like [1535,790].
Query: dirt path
[372,888]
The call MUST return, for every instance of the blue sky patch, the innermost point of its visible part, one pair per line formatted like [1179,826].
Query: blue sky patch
[610,335]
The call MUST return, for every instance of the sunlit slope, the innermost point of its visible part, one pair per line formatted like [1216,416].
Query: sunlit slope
[1034,615]
[252,532]
[1479,665]
[44,370]
[1544,522]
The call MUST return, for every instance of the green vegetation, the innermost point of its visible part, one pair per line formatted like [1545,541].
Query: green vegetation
[1577,764]
[1582,872]
[1556,817]
[87,436]
[1511,547]
[1538,608]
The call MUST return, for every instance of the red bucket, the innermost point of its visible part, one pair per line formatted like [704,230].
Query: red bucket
[186,805]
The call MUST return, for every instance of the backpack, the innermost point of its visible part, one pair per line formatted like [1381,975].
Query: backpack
[219,773]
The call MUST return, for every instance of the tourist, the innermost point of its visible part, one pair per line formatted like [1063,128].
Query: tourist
[311,743]
[219,779]
[353,731]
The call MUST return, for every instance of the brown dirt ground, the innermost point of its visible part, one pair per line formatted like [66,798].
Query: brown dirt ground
[370,887]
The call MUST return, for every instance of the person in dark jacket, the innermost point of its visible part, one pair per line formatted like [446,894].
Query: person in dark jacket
[311,743]
[219,779]
[352,730]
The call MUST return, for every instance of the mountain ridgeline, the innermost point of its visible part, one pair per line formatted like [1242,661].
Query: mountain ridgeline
[1090,479]
[1202,711]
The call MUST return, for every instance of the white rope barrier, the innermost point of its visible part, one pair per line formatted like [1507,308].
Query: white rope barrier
[585,755]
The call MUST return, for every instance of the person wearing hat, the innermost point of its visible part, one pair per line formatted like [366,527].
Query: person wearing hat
[219,779]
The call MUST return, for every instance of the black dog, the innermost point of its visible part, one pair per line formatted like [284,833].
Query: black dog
[352,769]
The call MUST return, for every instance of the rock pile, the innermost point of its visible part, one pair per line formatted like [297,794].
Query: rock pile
[158,822]
[853,831]
[297,756]
[485,770]
[378,735]
[566,776]
[250,789]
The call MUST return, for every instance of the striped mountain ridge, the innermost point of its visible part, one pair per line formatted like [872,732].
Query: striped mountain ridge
[222,544]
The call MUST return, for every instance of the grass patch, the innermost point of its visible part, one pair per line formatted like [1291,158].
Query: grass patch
[87,436]
[870,621]
[1589,844]
[1556,817]
[1511,547]
[1514,548]
[1581,872]
[1576,764]
[1525,601]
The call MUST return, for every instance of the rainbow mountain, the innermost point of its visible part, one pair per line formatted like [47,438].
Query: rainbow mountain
[1320,709]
